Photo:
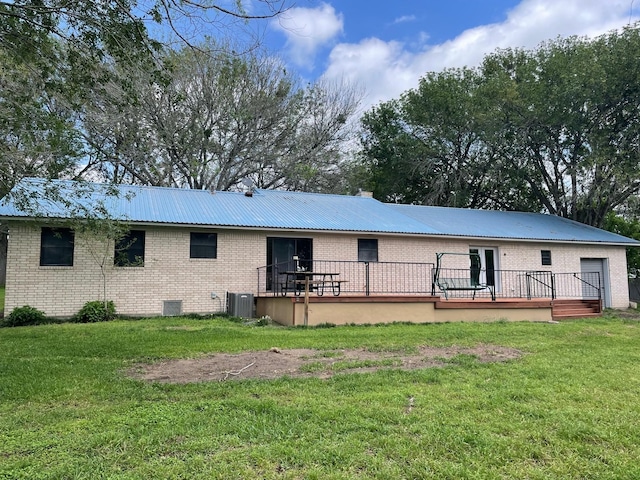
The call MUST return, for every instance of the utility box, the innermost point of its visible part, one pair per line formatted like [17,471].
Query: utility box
[240,304]
[171,308]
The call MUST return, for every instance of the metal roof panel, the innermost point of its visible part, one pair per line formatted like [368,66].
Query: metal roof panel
[508,225]
[275,209]
[264,209]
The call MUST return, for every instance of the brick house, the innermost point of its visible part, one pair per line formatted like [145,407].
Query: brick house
[185,250]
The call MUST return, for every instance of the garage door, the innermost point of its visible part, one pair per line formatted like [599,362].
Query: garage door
[593,275]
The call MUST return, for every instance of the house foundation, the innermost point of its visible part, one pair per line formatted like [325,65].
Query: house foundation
[344,310]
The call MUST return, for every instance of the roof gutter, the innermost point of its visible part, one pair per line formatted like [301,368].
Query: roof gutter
[297,231]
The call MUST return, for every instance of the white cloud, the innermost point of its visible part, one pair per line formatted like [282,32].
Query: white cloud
[404,19]
[386,69]
[308,29]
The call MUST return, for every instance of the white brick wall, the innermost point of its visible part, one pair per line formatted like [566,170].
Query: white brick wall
[169,273]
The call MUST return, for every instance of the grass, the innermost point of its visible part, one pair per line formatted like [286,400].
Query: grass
[567,409]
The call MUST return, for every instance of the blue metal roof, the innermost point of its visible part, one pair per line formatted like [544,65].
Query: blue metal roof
[275,209]
[462,222]
[271,209]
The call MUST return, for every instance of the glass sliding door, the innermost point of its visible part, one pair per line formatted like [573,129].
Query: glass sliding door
[280,258]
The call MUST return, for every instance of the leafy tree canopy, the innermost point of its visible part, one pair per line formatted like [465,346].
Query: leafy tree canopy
[554,129]
[628,227]
[58,56]
[119,28]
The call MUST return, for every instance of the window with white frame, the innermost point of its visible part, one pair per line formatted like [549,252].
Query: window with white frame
[545,257]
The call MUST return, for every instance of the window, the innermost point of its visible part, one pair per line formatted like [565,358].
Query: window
[56,247]
[367,249]
[546,257]
[129,250]
[203,245]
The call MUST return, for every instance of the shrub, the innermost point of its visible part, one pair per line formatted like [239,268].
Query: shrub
[96,311]
[200,316]
[263,321]
[326,325]
[25,315]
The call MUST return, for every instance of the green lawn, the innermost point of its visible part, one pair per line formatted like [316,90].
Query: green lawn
[570,408]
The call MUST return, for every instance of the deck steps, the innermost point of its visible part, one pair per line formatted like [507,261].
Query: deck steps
[565,309]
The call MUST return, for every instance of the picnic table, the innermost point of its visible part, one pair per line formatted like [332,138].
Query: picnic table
[311,280]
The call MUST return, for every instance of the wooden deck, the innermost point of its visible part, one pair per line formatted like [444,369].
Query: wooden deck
[360,309]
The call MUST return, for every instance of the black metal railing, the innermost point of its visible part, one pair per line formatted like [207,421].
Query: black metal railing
[586,285]
[414,278]
[517,284]
[357,278]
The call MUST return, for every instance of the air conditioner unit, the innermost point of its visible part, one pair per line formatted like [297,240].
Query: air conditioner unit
[240,304]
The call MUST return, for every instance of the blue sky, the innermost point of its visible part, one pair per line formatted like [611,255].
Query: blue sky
[385,46]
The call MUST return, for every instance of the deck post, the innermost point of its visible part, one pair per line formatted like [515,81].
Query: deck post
[306,300]
[366,276]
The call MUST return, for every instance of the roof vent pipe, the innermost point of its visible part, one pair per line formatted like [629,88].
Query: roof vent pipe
[247,182]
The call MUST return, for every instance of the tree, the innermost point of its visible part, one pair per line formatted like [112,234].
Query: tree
[216,118]
[629,227]
[568,122]
[37,130]
[56,55]
[430,147]
[101,29]
[555,129]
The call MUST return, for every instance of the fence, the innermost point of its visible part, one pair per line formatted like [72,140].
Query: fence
[413,278]
[519,284]
[634,289]
[358,278]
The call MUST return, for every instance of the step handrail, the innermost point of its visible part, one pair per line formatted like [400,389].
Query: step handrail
[598,288]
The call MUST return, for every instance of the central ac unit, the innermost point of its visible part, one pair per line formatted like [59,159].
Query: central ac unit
[240,304]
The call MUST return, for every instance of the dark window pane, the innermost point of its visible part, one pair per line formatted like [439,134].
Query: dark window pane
[367,250]
[204,245]
[280,253]
[129,250]
[546,257]
[476,265]
[56,247]
[490,267]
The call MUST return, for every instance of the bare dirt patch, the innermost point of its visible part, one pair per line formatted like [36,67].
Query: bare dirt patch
[275,363]
[629,314]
